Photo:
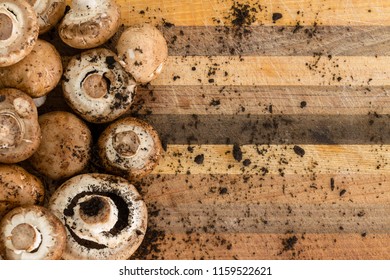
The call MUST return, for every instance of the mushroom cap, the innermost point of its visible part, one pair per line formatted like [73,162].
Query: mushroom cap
[20,134]
[129,147]
[37,74]
[18,31]
[65,148]
[142,51]
[31,233]
[49,12]
[104,215]
[97,87]
[18,188]
[89,24]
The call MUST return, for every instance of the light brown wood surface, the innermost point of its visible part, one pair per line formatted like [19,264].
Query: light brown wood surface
[317,80]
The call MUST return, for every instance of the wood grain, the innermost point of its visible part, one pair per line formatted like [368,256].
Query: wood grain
[277,159]
[286,40]
[276,70]
[217,12]
[304,98]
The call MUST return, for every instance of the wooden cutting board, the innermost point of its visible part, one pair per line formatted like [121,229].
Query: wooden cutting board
[273,116]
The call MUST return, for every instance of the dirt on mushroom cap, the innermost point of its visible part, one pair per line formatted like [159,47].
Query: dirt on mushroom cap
[66,145]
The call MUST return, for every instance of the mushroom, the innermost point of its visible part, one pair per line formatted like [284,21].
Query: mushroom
[129,147]
[49,12]
[39,101]
[37,74]
[104,215]
[20,134]
[31,233]
[65,148]
[89,23]
[97,87]
[18,31]
[18,188]
[142,51]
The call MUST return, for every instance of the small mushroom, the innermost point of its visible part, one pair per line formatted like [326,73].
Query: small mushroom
[97,87]
[65,148]
[129,147]
[89,23]
[20,134]
[31,233]
[18,31]
[142,51]
[37,74]
[49,12]
[104,215]
[18,188]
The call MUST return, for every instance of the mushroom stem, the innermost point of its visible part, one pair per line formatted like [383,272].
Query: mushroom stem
[85,5]
[96,85]
[11,129]
[24,238]
[6,26]
[97,214]
[126,143]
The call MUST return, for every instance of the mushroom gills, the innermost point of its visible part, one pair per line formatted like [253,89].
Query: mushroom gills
[92,218]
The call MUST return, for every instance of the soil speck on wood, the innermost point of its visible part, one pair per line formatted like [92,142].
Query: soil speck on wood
[199,159]
[237,153]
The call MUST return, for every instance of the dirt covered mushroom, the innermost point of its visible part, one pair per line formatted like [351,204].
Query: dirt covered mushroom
[49,12]
[129,147]
[104,215]
[18,31]
[20,134]
[18,188]
[37,74]
[142,51]
[65,148]
[97,87]
[31,233]
[89,23]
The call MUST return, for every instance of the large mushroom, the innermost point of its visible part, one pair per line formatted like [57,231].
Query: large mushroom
[97,87]
[18,188]
[20,134]
[89,23]
[49,12]
[37,74]
[104,215]
[129,147]
[31,233]
[18,31]
[65,148]
[142,51]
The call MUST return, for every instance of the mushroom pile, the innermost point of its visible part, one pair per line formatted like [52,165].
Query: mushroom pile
[66,177]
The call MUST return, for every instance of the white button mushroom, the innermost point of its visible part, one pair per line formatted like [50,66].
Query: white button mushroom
[18,31]
[97,87]
[129,147]
[20,133]
[37,74]
[18,188]
[65,148]
[104,215]
[31,233]
[49,12]
[142,51]
[89,23]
